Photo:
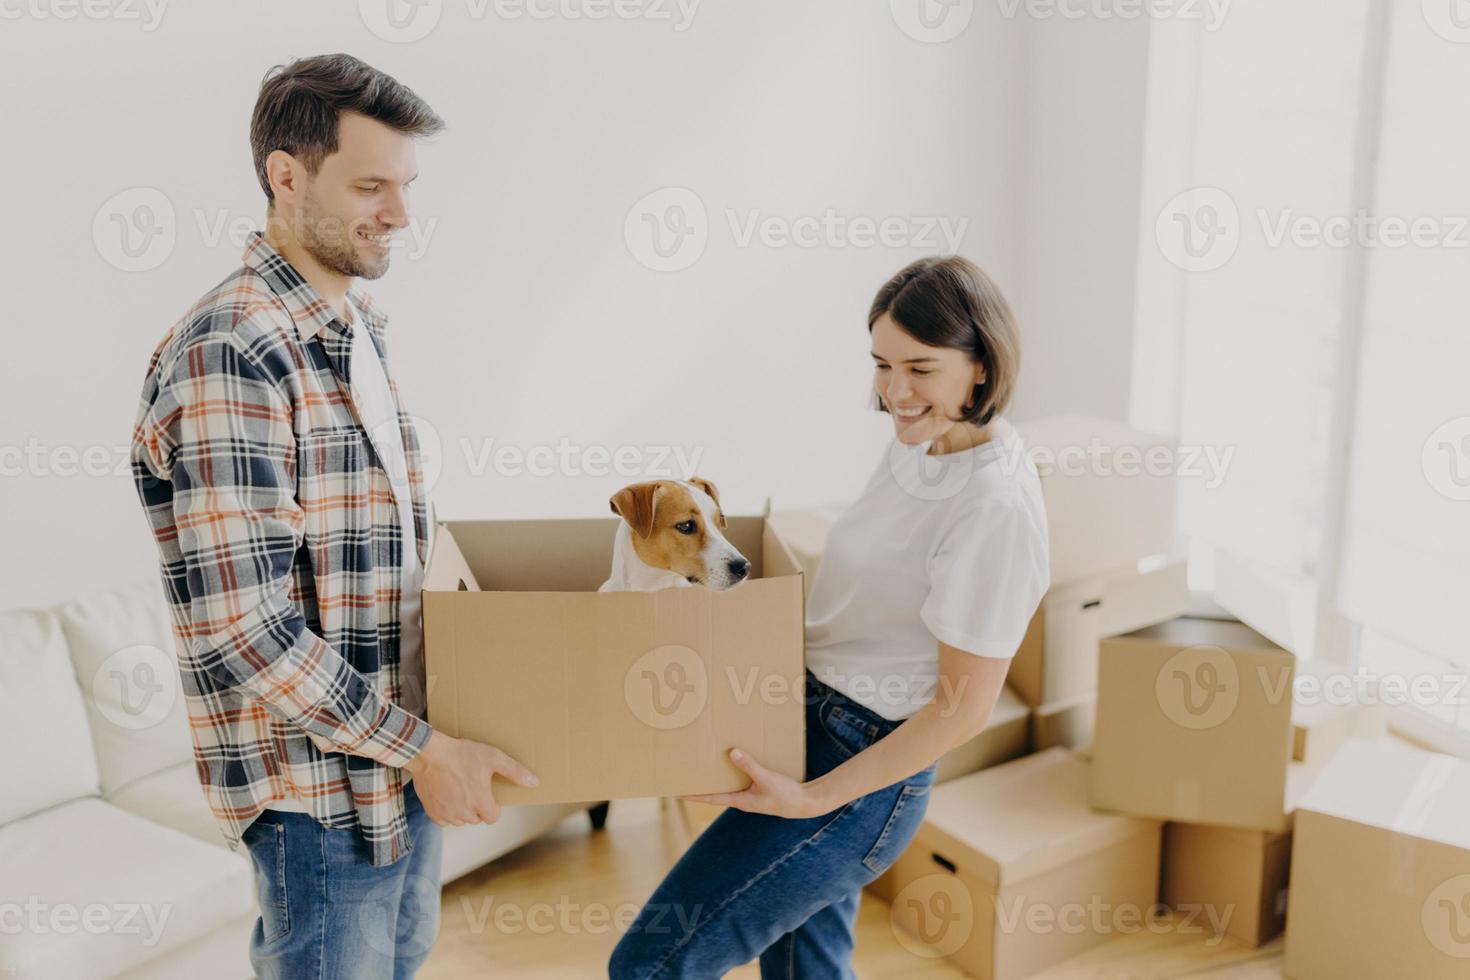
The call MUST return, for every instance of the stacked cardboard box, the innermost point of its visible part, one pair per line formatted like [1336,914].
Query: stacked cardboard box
[1012,870]
[1115,564]
[1056,667]
[1203,724]
[1381,867]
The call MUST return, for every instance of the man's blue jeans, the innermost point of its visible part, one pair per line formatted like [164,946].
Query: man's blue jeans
[784,890]
[327,913]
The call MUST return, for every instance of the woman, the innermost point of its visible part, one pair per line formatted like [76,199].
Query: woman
[922,598]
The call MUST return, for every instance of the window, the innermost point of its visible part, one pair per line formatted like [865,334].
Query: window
[1302,306]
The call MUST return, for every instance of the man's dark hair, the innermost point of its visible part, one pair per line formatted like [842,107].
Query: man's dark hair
[300,103]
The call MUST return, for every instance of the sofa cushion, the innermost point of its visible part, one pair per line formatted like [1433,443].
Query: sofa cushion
[174,799]
[43,723]
[123,649]
[95,891]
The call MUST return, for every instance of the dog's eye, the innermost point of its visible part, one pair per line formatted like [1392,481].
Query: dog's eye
[686,527]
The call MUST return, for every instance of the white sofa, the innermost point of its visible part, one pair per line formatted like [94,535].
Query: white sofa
[110,862]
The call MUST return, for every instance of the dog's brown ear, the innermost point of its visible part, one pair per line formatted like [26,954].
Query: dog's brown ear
[635,504]
[714,495]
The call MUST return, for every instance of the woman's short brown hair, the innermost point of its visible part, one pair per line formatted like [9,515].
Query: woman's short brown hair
[949,301]
[300,103]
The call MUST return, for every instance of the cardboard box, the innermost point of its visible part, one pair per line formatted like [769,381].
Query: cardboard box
[1013,872]
[1194,725]
[1232,882]
[1070,724]
[1106,504]
[1227,881]
[1004,738]
[616,694]
[1057,659]
[1380,868]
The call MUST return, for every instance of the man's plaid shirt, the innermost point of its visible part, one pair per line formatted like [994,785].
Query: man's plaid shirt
[281,554]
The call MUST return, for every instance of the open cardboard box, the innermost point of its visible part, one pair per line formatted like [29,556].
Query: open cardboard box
[612,695]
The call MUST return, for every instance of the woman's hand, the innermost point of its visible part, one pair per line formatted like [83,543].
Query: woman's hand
[770,792]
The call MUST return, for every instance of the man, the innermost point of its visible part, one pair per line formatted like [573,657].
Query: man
[282,480]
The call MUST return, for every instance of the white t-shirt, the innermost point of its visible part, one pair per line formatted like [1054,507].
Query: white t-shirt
[374,400]
[952,548]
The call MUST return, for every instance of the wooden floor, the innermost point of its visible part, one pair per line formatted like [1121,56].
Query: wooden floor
[555,908]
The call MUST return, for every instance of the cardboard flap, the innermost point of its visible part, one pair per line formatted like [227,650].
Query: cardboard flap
[1017,820]
[776,557]
[448,571]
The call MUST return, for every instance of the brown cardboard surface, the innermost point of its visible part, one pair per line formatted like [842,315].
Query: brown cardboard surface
[1380,867]
[1226,878]
[1070,724]
[1011,860]
[1194,725]
[611,695]
[1057,659]
[1026,816]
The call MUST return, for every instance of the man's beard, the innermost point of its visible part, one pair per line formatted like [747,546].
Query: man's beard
[330,241]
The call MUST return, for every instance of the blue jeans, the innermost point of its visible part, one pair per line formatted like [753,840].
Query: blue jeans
[784,890]
[327,914]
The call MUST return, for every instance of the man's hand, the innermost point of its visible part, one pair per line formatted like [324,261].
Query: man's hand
[452,777]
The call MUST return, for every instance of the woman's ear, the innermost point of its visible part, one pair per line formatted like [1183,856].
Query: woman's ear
[637,504]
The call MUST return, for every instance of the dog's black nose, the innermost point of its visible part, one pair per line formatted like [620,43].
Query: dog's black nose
[739,567]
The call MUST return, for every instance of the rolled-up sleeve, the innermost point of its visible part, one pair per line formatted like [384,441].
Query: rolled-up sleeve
[987,576]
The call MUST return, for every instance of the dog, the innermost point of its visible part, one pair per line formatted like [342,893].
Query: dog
[670,538]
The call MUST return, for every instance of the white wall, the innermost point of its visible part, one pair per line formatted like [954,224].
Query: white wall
[527,318]
[1084,83]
